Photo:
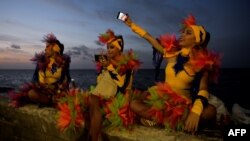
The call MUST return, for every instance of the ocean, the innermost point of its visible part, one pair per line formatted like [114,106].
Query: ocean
[83,78]
[232,87]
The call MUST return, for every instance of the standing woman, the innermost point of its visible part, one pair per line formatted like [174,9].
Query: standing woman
[189,67]
[51,77]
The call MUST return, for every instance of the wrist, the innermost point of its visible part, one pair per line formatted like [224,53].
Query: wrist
[203,93]
[197,107]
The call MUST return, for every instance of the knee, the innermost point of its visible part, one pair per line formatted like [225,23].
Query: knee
[133,105]
[138,106]
[209,112]
[32,94]
[93,100]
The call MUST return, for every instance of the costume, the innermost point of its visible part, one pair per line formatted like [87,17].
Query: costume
[171,101]
[104,79]
[51,77]
[120,76]
[116,107]
[114,84]
[46,81]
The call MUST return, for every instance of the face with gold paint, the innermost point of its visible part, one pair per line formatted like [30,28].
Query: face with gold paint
[113,51]
[50,49]
[187,38]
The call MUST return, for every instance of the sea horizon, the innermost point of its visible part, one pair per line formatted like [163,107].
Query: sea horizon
[224,68]
[232,83]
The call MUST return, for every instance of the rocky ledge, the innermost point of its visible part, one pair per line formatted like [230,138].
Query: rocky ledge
[31,123]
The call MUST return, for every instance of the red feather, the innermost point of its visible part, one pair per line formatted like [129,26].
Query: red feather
[190,20]
[50,38]
[168,41]
[209,61]
[105,37]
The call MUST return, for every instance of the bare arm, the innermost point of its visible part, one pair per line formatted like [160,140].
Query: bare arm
[153,42]
[192,121]
[204,82]
[141,32]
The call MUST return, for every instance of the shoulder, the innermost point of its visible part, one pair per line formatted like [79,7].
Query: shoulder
[131,61]
[171,54]
[208,61]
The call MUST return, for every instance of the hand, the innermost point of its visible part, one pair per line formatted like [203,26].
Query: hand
[128,21]
[192,121]
[60,86]
[104,62]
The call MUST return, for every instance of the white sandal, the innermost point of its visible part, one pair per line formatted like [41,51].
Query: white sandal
[147,122]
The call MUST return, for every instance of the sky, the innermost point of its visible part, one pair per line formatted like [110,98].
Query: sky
[78,23]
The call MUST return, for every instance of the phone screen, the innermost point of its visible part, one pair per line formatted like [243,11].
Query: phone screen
[121,16]
[98,57]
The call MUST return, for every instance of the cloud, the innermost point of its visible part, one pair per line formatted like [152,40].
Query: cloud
[80,21]
[74,6]
[15,46]
[83,51]
[74,52]
[5,37]
[68,22]
[14,58]
[83,56]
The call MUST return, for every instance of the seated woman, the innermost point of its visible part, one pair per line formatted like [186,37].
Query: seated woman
[189,68]
[113,83]
[51,78]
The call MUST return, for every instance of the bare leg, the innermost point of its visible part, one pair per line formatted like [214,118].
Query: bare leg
[37,97]
[95,117]
[140,109]
[208,116]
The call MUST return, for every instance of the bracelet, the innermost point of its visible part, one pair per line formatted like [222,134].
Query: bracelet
[203,99]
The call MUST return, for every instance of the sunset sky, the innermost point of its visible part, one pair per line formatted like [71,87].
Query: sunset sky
[77,24]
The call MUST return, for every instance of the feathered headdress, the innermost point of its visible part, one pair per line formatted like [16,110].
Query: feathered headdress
[50,38]
[199,31]
[107,37]
[110,38]
[189,20]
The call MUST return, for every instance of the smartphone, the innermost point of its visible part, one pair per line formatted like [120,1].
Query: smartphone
[121,16]
[98,57]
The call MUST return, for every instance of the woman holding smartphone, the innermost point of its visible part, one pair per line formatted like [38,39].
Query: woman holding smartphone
[180,103]
[113,84]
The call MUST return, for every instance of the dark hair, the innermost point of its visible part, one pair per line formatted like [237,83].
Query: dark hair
[207,39]
[51,39]
[121,43]
[61,46]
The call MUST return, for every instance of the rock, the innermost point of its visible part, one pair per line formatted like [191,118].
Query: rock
[142,133]
[219,105]
[240,115]
[31,123]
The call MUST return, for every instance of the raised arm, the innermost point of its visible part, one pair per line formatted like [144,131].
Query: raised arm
[144,34]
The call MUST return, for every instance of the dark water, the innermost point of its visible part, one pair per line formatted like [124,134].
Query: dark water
[83,78]
[233,86]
